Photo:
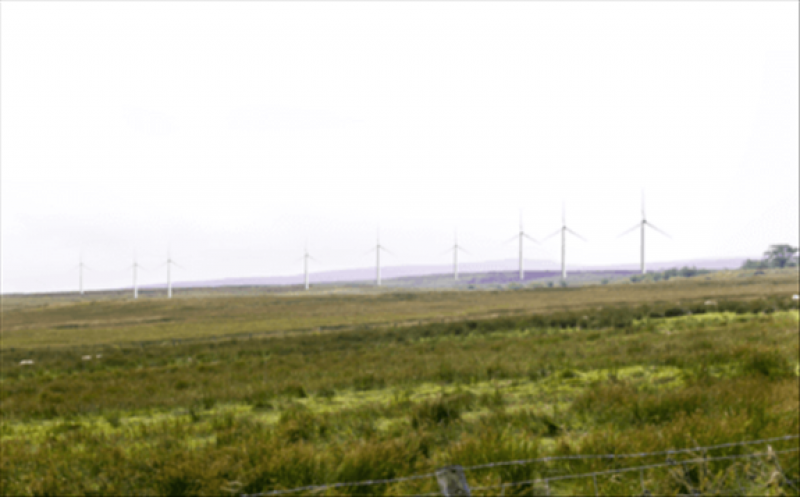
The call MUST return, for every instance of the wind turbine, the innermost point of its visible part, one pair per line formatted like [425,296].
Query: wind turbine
[169,264]
[305,258]
[80,268]
[455,248]
[642,224]
[521,236]
[564,230]
[135,268]
[377,249]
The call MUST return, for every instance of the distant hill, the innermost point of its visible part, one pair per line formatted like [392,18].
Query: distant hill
[504,271]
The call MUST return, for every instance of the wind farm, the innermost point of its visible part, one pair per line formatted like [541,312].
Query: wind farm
[487,266]
[367,363]
[484,271]
[334,249]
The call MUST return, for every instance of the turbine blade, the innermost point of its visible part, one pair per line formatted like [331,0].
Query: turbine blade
[628,231]
[465,250]
[660,231]
[368,251]
[178,265]
[510,239]
[530,238]
[447,251]
[579,236]
[388,251]
[643,215]
[551,235]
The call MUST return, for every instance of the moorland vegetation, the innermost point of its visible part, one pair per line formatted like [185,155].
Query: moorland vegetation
[671,365]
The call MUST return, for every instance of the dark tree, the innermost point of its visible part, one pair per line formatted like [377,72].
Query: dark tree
[781,256]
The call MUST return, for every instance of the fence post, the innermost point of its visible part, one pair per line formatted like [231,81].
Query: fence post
[452,482]
[771,456]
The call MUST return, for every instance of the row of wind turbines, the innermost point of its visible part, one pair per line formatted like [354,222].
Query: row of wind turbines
[455,249]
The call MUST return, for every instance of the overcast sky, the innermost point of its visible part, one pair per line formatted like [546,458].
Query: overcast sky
[233,132]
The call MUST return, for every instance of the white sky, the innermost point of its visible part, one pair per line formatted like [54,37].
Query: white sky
[234,131]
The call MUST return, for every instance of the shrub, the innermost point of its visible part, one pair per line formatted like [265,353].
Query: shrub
[368,381]
[493,445]
[294,390]
[297,425]
[770,364]
[568,374]
[326,393]
[493,400]
[441,411]
[376,460]
[260,399]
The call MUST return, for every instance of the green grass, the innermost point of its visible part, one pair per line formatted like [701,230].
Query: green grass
[246,415]
[112,318]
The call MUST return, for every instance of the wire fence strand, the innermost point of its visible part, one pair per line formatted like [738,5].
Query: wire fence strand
[627,456]
[633,468]
[316,488]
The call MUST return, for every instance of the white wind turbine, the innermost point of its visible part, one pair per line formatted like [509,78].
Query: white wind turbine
[169,265]
[641,225]
[521,235]
[80,267]
[377,249]
[305,258]
[564,230]
[455,248]
[136,266]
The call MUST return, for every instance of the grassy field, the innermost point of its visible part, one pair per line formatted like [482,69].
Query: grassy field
[114,318]
[511,375]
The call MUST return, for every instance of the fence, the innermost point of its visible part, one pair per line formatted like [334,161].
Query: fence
[452,479]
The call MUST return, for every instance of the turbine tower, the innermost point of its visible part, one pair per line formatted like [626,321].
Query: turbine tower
[377,249]
[135,267]
[641,225]
[169,265]
[80,267]
[455,248]
[521,236]
[306,257]
[564,230]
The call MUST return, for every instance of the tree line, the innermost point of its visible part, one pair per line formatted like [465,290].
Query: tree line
[777,256]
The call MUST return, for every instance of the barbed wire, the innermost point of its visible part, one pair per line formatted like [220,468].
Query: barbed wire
[314,488]
[635,468]
[627,456]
